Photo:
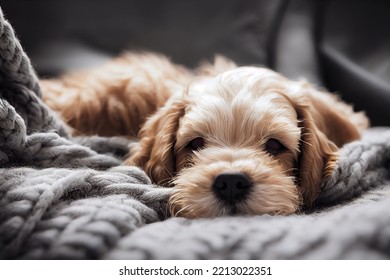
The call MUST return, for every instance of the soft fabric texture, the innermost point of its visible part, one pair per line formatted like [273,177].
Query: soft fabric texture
[71,198]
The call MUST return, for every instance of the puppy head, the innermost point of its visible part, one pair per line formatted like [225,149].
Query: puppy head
[245,142]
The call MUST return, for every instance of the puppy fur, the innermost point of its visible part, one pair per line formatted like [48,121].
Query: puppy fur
[282,136]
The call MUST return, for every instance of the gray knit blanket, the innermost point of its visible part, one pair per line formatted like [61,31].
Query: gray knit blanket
[72,198]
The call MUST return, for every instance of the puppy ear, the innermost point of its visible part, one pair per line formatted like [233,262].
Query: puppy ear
[318,156]
[157,138]
[336,119]
[327,124]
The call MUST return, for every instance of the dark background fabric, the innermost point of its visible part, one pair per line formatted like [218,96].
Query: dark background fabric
[343,46]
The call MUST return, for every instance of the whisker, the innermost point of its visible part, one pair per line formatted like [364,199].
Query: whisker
[181,210]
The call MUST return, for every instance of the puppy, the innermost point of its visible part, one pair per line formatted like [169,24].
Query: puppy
[230,140]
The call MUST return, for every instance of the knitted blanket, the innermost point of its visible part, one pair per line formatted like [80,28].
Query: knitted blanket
[71,198]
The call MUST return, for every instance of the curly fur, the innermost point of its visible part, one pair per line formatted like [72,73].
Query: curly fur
[235,110]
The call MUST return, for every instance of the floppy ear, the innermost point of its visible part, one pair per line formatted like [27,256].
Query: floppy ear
[157,138]
[327,124]
[318,156]
[336,119]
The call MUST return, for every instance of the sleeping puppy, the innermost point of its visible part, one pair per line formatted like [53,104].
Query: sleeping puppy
[230,140]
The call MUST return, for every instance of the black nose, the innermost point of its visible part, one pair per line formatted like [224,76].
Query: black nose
[231,187]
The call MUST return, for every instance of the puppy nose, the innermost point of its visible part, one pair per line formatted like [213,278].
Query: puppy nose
[231,187]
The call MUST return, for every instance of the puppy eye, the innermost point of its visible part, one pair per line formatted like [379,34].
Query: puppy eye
[196,144]
[274,147]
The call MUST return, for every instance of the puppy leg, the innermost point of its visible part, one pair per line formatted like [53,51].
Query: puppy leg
[116,98]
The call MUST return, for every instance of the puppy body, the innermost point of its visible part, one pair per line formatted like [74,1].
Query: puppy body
[116,98]
[230,140]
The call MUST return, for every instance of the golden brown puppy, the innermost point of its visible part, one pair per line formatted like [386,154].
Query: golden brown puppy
[230,140]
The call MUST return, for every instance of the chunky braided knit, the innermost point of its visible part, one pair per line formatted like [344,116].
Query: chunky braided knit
[363,165]
[47,211]
[20,86]
[62,213]
[43,149]
[15,65]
